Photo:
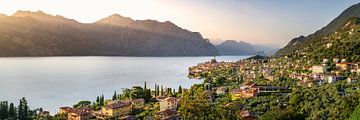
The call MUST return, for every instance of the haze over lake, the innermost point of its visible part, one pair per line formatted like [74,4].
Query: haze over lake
[63,81]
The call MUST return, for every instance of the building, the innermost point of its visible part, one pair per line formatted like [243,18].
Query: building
[114,110]
[248,84]
[351,79]
[243,93]
[318,69]
[168,114]
[333,78]
[64,110]
[76,113]
[343,66]
[79,114]
[169,103]
[140,101]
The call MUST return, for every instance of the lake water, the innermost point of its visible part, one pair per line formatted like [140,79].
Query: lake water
[52,82]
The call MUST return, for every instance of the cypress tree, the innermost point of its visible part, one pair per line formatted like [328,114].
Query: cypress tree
[97,100]
[12,111]
[162,90]
[114,96]
[146,97]
[4,110]
[23,109]
[102,100]
[155,90]
[180,89]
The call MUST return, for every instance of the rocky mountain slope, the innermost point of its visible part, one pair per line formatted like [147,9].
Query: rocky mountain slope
[39,34]
[334,25]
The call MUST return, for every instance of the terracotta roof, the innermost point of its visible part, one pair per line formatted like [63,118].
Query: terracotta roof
[138,100]
[117,105]
[167,112]
[170,99]
[79,111]
[249,83]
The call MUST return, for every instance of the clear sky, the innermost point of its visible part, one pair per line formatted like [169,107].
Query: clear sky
[255,21]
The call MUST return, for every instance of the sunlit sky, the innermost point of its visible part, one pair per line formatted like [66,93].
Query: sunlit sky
[255,21]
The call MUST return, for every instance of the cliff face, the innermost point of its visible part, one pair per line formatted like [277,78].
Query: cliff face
[39,34]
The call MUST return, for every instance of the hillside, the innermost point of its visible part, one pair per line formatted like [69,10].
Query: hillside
[334,25]
[39,34]
[342,44]
[232,47]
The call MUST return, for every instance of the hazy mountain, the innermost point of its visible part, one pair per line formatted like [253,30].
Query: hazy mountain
[268,49]
[232,47]
[336,24]
[39,34]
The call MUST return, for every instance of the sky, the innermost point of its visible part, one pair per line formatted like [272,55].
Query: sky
[272,22]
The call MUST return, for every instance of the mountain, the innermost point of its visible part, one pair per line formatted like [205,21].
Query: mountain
[232,47]
[334,25]
[342,44]
[268,49]
[28,33]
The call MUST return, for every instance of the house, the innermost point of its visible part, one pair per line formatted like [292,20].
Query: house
[79,114]
[248,84]
[333,78]
[319,81]
[243,93]
[169,103]
[168,114]
[247,115]
[351,79]
[64,110]
[343,66]
[114,110]
[138,102]
[318,69]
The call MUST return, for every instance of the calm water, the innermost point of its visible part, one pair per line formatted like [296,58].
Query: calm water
[51,82]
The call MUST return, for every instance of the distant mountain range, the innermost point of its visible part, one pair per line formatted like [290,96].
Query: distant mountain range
[28,33]
[335,25]
[233,47]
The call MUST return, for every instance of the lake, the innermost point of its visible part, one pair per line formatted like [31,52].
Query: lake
[52,82]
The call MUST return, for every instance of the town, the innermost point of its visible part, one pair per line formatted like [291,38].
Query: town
[242,80]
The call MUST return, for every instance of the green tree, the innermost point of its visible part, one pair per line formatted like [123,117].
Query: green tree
[4,109]
[355,114]
[12,111]
[162,91]
[114,96]
[179,89]
[136,92]
[23,110]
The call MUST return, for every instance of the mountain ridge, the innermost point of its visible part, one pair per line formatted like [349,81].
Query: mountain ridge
[233,47]
[27,33]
